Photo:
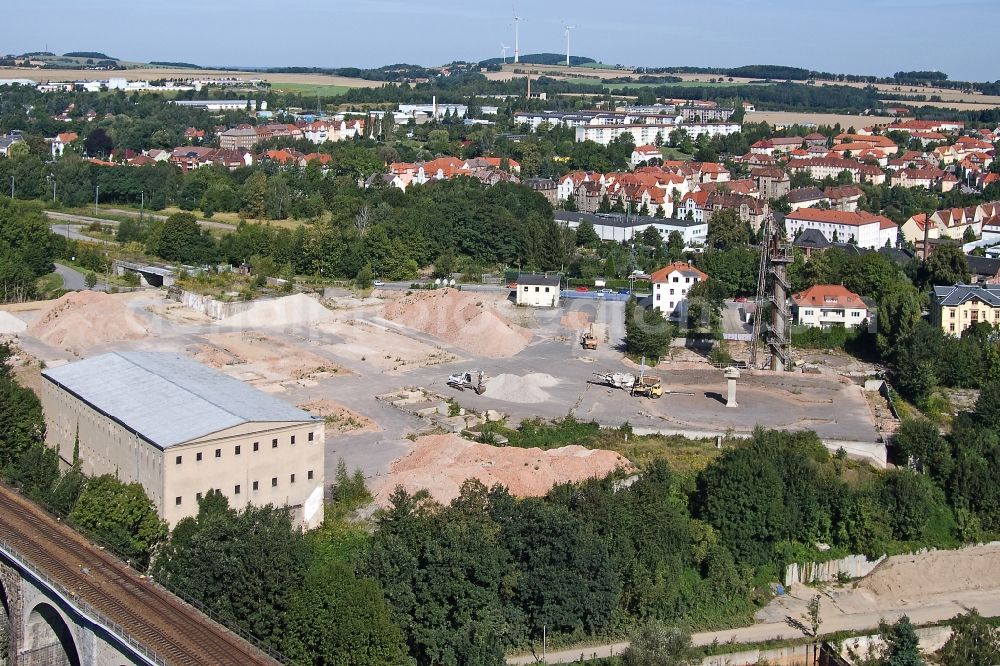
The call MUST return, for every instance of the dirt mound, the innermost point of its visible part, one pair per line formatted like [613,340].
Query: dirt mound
[515,388]
[11,325]
[473,322]
[441,463]
[87,318]
[935,572]
[297,310]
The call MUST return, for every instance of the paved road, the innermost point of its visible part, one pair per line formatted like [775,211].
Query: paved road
[71,231]
[74,280]
[942,608]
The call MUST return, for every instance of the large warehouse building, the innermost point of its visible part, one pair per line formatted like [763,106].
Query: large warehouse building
[181,429]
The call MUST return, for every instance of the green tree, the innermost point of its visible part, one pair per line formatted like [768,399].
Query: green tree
[254,196]
[90,280]
[918,441]
[121,516]
[364,278]
[973,642]
[902,647]
[586,236]
[258,546]
[655,645]
[946,266]
[333,617]
[727,231]
[21,422]
[181,239]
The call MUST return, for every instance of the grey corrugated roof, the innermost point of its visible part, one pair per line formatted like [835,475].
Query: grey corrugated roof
[957,294]
[168,399]
[621,221]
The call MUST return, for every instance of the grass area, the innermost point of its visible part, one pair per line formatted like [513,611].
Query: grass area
[684,455]
[311,89]
[674,154]
[680,84]
[49,286]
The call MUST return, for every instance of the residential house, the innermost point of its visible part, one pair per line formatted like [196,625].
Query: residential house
[957,307]
[538,290]
[772,182]
[239,137]
[671,285]
[816,140]
[806,197]
[750,209]
[845,197]
[827,305]
[831,167]
[644,154]
[927,178]
[61,140]
[547,187]
[860,228]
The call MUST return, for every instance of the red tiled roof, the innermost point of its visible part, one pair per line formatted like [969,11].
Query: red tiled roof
[679,267]
[833,295]
[832,216]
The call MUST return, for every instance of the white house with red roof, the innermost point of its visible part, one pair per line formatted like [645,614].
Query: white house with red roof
[837,226]
[671,285]
[60,142]
[644,154]
[827,305]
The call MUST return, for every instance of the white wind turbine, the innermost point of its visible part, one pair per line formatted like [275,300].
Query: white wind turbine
[517,36]
[566,29]
[503,52]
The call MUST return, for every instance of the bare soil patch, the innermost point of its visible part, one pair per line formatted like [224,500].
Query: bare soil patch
[390,352]
[263,359]
[441,463]
[339,419]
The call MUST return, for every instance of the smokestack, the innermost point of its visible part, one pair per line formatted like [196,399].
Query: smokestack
[927,237]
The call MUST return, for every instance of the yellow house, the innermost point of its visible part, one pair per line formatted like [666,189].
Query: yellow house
[960,306]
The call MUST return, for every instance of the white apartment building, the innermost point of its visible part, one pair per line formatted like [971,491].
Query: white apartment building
[864,229]
[826,305]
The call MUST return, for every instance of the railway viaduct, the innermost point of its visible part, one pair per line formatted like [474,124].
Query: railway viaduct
[66,602]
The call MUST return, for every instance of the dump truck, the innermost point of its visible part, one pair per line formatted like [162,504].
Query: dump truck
[474,380]
[589,340]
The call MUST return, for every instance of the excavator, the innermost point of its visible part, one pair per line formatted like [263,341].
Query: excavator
[589,340]
[474,380]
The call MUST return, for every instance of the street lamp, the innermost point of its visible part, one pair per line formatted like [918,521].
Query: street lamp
[52,179]
[97,198]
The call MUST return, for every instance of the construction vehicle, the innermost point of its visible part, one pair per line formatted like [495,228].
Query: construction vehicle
[474,380]
[642,385]
[589,340]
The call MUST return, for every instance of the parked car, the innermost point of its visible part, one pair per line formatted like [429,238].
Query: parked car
[740,299]
[626,292]
[582,289]
[607,291]
[378,283]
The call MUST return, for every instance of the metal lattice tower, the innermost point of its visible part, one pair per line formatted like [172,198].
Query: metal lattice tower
[773,287]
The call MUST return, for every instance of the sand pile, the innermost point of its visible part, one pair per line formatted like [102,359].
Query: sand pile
[470,321]
[339,419]
[936,572]
[297,310]
[515,388]
[441,463]
[11,325]
[87,318]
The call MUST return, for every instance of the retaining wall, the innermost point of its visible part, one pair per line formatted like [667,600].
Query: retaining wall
[213,307]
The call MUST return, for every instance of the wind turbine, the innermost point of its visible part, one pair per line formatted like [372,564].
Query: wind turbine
[517,41]
[503,52]
[566,29]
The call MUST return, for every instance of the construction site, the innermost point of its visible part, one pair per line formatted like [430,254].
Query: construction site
[334,354]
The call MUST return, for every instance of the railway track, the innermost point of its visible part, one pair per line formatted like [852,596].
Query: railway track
[171,630]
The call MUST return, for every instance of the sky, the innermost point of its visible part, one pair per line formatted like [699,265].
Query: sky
[851,36]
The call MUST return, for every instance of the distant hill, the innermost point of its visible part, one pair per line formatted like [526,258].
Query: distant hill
[96,55]
[540,59]
[782,72]
[174,65]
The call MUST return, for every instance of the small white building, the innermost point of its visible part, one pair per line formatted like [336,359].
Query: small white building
[837,226]
[538,290]
[671,285]
[826,305]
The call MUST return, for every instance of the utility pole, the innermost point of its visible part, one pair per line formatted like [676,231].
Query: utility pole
[97,198]
[142,206]
[12,188]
